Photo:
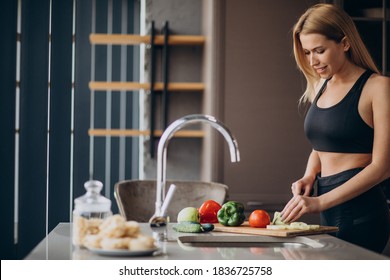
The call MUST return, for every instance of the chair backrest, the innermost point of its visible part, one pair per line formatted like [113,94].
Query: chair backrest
[136,198]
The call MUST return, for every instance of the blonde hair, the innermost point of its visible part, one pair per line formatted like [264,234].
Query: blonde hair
[335,24]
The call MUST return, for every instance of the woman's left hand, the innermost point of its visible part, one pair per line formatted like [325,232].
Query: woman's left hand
[298,206]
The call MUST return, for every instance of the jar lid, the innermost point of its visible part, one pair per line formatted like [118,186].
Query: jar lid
[92,201]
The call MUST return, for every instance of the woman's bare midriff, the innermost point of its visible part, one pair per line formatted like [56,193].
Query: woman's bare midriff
[333,163]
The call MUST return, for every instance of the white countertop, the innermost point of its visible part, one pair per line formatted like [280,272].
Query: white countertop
[58,246]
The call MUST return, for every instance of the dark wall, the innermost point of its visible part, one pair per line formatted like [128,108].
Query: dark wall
[8,12]
[261,89]
[40,173]
[26,203]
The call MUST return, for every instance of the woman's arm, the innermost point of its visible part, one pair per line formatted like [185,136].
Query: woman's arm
[304,185]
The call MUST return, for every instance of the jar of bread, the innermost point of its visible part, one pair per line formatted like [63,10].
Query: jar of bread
[89,212]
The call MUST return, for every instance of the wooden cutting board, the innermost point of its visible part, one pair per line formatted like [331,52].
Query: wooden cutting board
[246,229]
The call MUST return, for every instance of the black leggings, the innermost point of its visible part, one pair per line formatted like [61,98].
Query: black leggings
[363,220]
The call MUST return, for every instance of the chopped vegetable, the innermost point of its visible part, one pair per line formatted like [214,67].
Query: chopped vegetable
[299,225]
[277,223]
[276,227]
[277,220]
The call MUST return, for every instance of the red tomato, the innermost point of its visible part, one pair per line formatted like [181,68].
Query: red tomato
[208,211]
[259,219]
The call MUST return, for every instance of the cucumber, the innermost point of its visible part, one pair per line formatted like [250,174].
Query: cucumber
[192,227]
[207,227]
[188,227]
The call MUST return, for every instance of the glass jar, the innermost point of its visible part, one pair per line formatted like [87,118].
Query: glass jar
[89,211]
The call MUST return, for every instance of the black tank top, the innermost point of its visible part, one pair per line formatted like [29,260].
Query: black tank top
[340,128]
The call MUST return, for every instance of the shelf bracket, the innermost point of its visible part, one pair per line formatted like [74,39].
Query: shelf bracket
[165,63]
[164,92]
[152,114]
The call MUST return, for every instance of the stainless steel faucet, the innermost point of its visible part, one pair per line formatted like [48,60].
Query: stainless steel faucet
[158,217]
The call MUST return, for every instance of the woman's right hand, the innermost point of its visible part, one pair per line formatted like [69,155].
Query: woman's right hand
[303,186]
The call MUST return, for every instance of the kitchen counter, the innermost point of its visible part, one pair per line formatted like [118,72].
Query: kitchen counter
[58,246]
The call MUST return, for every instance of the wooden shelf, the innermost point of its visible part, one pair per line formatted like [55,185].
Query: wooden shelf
[134,132]
[103,86]
[130,39]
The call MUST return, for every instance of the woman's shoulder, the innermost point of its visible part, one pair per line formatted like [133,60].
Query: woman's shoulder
[380,77]
[379,82]
[378,87]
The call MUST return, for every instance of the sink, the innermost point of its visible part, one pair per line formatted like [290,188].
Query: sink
[247,241]
[136,198]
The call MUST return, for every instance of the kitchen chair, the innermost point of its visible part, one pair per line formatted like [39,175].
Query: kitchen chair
[136,198]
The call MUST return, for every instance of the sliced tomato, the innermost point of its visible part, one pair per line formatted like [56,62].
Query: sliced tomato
[208,211]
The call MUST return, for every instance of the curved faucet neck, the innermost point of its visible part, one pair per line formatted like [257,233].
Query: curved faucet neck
[168,134]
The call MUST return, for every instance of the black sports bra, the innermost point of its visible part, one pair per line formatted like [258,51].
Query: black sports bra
[340,127]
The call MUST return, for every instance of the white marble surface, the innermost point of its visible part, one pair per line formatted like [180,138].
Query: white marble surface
[58,246]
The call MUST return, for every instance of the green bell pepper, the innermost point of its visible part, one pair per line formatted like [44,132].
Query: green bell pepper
[231,214]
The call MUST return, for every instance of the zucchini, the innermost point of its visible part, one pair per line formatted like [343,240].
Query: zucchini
[192,227]
[207,227]
[188,227]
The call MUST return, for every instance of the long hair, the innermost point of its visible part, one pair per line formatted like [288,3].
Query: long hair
[335,24]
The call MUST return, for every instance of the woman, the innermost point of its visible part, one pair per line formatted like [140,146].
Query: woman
[348,126]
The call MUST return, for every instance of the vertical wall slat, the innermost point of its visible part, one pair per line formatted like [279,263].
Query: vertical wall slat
[60,112]
[8,18]
[33,123]
[133,110]
[109,144]
[82,97]
[122,94]
[100,97]
[115,101]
